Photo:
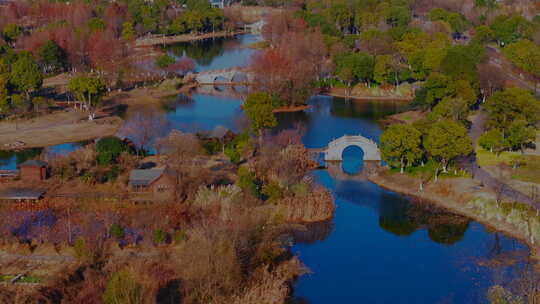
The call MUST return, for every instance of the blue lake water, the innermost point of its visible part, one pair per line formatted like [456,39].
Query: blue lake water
[217,53]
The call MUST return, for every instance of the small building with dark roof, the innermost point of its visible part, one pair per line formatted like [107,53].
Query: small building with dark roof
[21,194]
[33,170]
[151,184]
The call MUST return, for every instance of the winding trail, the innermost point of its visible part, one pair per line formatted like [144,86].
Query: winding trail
[479,174]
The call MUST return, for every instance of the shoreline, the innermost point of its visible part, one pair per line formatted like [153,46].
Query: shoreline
[369,98]
[149,42]
[451,203]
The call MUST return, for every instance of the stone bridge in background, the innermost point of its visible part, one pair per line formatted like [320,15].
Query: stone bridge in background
[232,76]
[334,151]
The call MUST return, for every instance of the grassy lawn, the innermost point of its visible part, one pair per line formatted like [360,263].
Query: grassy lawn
[24,279]
[428,171]
[486,158]
[527,171]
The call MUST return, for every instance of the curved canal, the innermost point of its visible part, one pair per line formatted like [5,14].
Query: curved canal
[380,247]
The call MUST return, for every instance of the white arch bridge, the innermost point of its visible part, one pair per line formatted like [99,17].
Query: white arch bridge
[232,76]
[334,151]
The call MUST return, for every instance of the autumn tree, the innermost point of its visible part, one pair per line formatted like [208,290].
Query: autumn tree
[447,140]
[290,68]
[182,66]
[143,126]
[401,145]
[178,150]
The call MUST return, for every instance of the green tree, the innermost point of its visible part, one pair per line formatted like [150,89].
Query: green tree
[108,149]
[450,108]
[461,62]
[401,145]
[164,61]
[4,97]
[52,57]
[508,29]
[504,107]
[398,16]
[247,181]
[447,140]
[12,32]
[381,71]
[483,34]
[25,74]
[128,31]
[436,87]
[259,110]
[520,134]
[123,289]
[96,24]
[87,89]
[160,236]
[117,231]
[457,21]
[525,54]
[361,66]
[492,140]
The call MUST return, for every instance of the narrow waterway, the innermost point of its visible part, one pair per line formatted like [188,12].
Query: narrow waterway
[380,247]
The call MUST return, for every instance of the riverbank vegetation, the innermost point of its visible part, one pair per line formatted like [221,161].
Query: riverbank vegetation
[221,234]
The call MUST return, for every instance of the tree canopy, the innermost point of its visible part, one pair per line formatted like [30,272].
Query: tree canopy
[401,145]
[511,104]
[87,89]
[447,140]
[259,110]
[25,74]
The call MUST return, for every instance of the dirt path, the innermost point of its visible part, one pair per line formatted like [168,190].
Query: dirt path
[53,129]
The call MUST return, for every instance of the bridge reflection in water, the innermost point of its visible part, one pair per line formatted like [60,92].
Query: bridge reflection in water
[225,91]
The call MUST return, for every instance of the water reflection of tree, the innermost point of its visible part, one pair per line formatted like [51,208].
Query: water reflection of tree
[371,110]
[203,52]
[170,104]
[401,217]
[291,120]
[313,232]
[20,156]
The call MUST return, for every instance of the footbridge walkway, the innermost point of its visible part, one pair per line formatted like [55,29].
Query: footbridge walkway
[232,76]
[334,150]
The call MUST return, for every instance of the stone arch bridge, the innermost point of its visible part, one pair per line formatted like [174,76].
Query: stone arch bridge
[232,76]
[334,151]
